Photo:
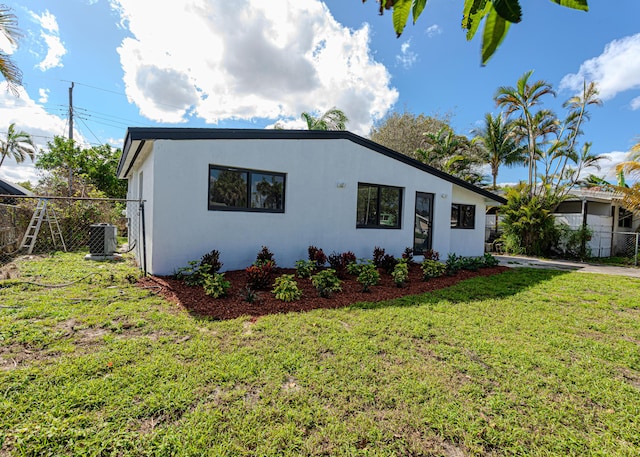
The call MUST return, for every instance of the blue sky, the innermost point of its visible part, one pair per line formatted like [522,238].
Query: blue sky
[250,64]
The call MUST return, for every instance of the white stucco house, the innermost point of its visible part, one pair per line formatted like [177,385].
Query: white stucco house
[236,190]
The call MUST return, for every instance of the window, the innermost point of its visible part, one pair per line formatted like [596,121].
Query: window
[625,218]
[245,190]
[378,206]
[463,216]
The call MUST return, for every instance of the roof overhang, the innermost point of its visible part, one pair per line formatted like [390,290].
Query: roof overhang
[140,138]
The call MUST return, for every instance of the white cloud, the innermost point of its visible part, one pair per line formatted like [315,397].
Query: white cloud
[44,96]
[608,166]
[407,57]
[51,37]
[33,119]
[433,30]
[6,46]
[635,103]
[219,60]
[616,70]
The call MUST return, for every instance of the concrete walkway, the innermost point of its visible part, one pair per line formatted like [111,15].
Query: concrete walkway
[533,262]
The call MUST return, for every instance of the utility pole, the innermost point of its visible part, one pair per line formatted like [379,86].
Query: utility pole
[71,137]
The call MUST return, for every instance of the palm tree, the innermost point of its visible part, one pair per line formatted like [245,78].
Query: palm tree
[500,144]
[632,165]
[631,195]
[19,145]
[523,98]
[333,119]
[451,153]
[9,29]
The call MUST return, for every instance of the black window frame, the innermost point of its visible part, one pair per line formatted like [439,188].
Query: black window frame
[378,224]
[625,218]
[459,221]
[250,172]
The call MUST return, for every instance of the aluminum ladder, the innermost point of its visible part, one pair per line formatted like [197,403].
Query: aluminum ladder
[42,213]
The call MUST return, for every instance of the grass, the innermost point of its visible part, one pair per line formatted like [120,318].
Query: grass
[531,362]
[616,261]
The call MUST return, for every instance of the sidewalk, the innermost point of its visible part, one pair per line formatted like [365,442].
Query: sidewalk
[533,262]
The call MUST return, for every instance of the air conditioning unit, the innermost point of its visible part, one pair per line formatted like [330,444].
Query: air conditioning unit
[102,239]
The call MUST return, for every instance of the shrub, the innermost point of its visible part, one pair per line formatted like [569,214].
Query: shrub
[378,254]
[388,263]
[286,289]
[304,268]
[259,275]
[454,264]
[195,274]
[529,225]
[471,263]
[400,272]
[326,282]
[265,256]
[354,268]
[213,260]
[430,254]
[340,262]
[575,241]
[249,295]
[216,286]
[317,255]
[489,261]
[407,255]
[368,276]
[432,269]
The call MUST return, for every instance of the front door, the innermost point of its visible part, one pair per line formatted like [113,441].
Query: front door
[423,223]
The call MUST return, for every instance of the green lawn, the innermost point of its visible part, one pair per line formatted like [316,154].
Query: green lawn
[530,362]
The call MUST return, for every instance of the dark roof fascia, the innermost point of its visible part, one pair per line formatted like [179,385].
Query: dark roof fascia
[177,133]
[8,188]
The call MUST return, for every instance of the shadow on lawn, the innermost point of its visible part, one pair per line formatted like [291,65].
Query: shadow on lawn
[511,282]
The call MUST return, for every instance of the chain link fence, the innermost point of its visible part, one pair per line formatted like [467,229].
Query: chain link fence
[627,244]
[42,225]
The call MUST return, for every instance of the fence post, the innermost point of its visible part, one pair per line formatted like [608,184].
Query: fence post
[635,257]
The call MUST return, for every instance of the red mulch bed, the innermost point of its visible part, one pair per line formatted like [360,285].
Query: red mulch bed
[234,305]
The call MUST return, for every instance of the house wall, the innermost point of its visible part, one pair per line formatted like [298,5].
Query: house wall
[141,187]
[320,203]
[469,241]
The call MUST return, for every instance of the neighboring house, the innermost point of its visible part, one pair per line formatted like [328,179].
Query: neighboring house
[238,190]
[8,233]
[613,227]
[7,188]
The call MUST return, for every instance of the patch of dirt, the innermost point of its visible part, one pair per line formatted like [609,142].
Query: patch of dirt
[234,305]
[9,271]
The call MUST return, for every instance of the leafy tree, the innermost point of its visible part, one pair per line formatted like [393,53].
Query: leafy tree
[9,29]
[405,132]
[96,166]
[18,145]
[499,143]
[498,16]
[333,119]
